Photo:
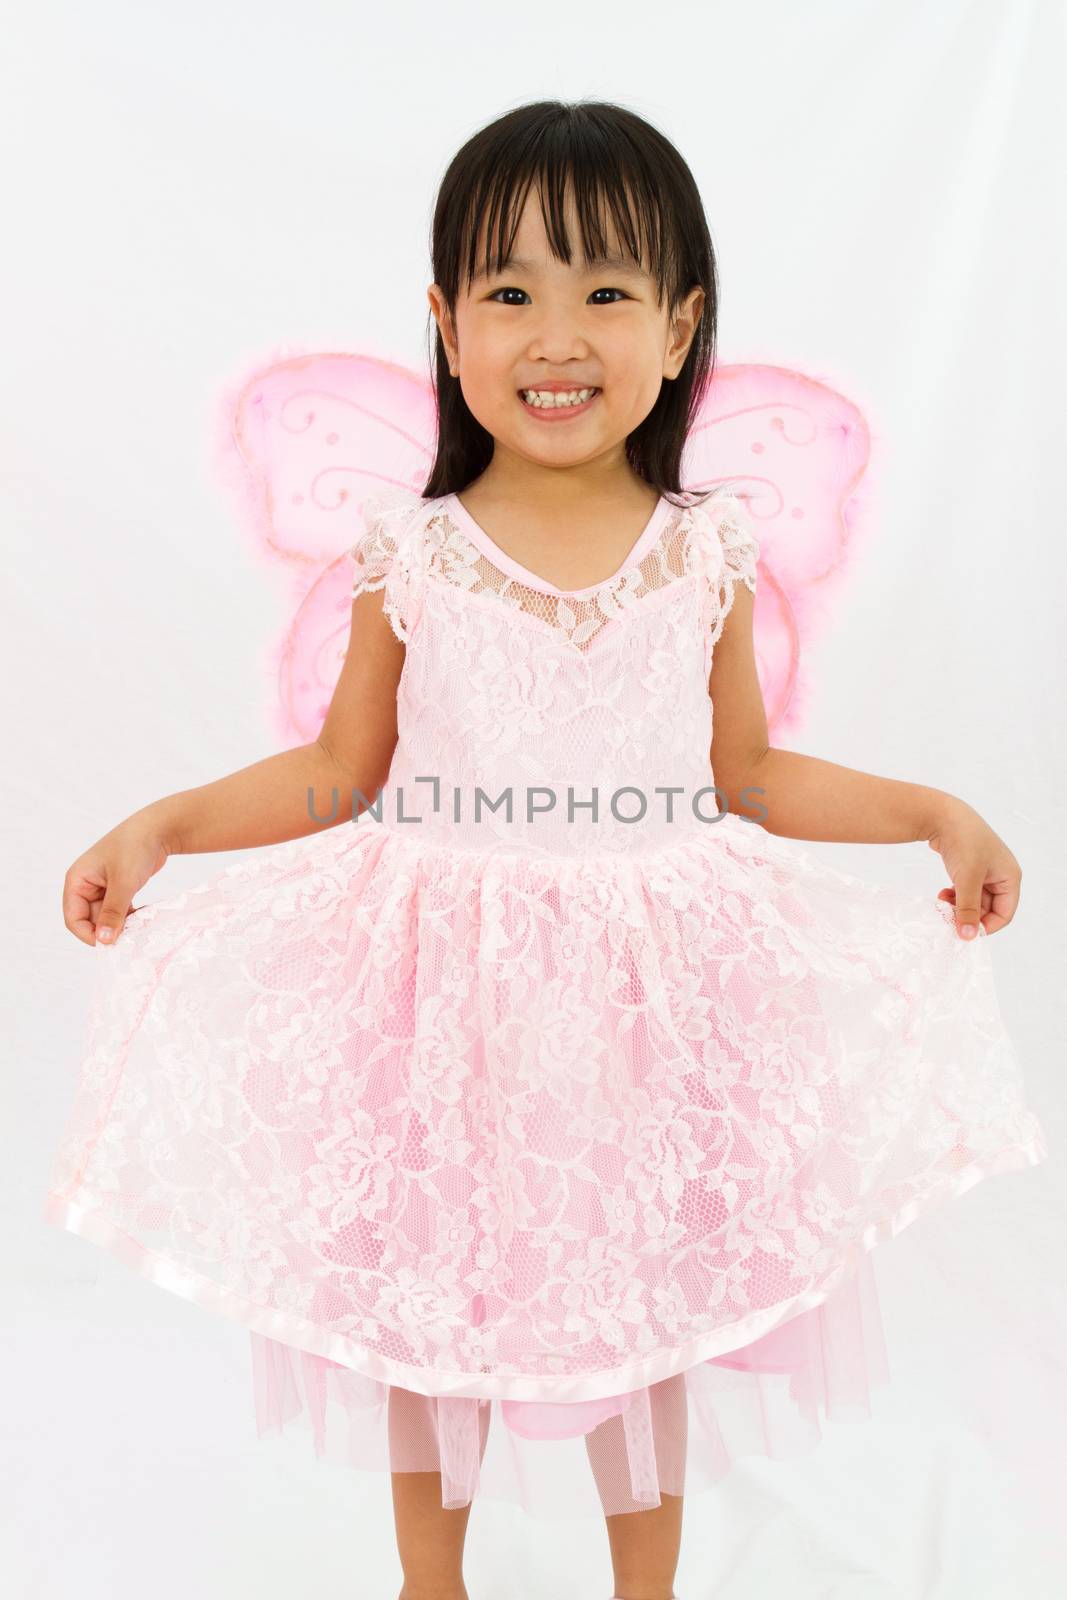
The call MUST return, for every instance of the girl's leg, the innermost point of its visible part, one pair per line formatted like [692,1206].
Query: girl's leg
[644,1550]
[429,1539]
[645,1543]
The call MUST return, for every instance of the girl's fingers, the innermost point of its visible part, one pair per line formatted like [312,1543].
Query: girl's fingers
[1005,900]
[998,905]
[968,904]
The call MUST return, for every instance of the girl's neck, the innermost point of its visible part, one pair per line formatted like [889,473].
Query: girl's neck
[560,510]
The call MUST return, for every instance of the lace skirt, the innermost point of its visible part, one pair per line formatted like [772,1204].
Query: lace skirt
[600,1145]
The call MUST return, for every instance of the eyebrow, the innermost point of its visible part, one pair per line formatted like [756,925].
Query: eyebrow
[621,264]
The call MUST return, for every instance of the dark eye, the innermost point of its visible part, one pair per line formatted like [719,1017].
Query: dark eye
[512,290]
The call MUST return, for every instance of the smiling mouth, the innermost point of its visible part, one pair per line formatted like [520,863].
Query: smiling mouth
[559,407]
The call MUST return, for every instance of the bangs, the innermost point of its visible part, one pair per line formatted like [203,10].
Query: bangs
[607,181]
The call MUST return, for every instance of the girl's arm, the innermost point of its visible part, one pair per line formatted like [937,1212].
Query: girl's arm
[282,797]
[273,800]
[806,798]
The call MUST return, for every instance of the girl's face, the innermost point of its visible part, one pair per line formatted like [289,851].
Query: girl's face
[541,323]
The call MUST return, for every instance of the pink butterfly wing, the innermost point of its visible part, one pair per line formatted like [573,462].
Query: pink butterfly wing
[794,451]
[302,442]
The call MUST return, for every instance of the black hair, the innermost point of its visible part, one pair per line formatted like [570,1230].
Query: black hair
[610,156]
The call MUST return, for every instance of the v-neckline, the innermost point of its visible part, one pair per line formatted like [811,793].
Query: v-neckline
[490,548]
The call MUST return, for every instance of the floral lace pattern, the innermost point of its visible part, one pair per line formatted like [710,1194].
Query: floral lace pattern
[462,1114]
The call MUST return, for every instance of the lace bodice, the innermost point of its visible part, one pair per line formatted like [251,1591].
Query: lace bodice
[583,705]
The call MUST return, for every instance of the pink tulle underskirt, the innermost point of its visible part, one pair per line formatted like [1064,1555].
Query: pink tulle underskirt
[607,1455]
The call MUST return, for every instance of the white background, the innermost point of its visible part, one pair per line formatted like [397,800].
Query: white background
[187,188]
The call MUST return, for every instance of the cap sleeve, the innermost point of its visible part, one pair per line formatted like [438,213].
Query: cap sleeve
[726,551]
[387,556]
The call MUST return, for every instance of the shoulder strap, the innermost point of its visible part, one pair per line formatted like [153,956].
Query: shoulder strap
[723,547]
[389,554]
[723,538]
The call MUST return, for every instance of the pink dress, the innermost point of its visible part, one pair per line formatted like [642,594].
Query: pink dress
[545,1087]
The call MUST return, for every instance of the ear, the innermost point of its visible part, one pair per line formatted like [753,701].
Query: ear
[683,330]
[445,325]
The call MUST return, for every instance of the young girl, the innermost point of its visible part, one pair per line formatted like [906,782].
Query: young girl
[585,1095]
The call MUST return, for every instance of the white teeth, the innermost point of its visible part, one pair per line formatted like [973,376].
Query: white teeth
[545,397]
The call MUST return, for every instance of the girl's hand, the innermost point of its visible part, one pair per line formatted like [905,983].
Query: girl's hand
[985,875]
[99,886]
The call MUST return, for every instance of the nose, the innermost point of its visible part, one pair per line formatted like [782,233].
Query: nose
[557,340]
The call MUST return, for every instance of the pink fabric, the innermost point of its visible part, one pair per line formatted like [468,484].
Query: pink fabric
[679,1436]
[591,1120]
